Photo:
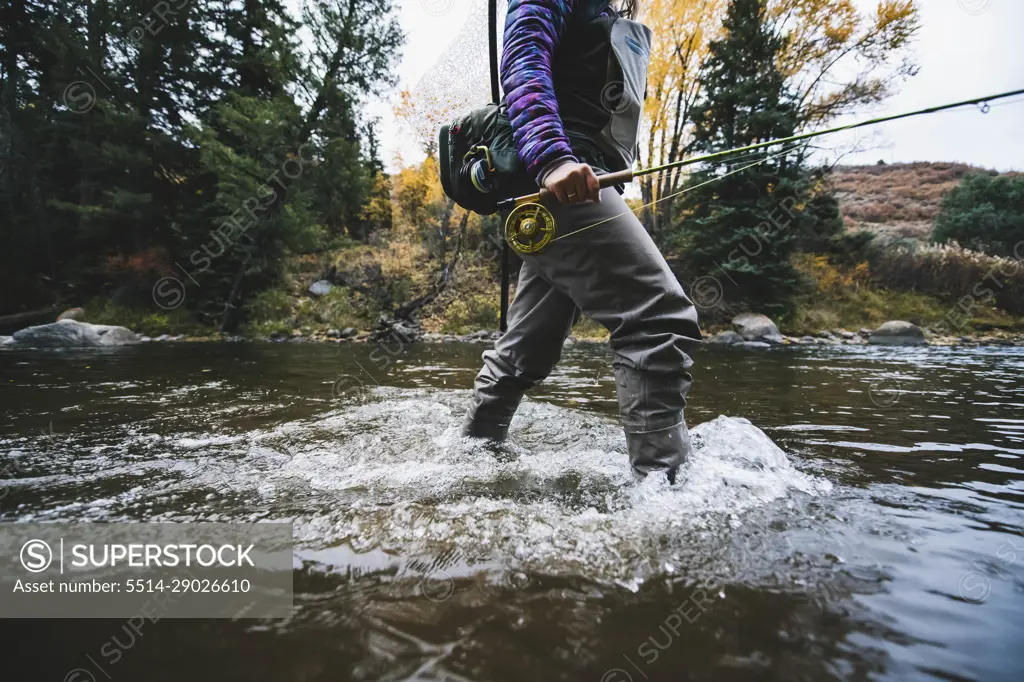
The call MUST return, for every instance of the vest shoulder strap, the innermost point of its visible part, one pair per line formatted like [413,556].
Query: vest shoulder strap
[588,10]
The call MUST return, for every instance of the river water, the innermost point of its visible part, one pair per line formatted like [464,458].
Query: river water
[867,522]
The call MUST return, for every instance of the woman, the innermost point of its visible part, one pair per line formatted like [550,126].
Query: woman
[573,73]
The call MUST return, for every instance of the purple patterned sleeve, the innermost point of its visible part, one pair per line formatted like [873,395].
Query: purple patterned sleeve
[532,31]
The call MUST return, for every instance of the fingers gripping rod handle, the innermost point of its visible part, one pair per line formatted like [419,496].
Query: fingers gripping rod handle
[605,180]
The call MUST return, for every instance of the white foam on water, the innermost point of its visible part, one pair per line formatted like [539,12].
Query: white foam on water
[559,493]
[390,473]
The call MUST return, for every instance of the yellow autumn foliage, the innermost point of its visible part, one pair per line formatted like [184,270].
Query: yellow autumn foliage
[836,59]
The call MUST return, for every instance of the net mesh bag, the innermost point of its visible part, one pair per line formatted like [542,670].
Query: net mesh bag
[461,78]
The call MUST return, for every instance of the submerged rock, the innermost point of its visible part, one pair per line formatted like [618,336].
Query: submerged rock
[898,333]
[728,338]
[74,334]
[755,327]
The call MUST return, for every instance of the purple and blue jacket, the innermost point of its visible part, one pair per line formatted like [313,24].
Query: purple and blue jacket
[532,32]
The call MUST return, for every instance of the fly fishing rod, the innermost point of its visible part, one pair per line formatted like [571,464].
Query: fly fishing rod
[530,226]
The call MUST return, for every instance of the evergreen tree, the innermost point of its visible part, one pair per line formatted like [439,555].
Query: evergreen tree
[742,229]
[985,213]
[132,132]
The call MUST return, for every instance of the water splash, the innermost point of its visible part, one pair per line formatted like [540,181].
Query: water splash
[389,473]
[558,494]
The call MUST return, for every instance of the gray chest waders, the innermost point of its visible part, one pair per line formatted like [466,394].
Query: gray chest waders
[618,277]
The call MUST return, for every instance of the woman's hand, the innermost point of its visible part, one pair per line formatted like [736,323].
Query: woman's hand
[573,183]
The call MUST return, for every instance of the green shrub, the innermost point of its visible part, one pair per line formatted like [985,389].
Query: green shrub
[337,310]
[985,213]
[268,312]
[272,304]
[148,322]
[469,312]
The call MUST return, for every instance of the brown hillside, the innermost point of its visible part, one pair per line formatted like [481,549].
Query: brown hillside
[896,200]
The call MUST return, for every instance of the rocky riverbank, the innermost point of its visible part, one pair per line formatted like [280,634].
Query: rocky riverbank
[749,331]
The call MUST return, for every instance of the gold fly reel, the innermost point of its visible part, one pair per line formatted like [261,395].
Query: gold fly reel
[529,228]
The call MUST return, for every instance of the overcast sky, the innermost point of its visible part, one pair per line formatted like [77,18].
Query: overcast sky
[965,49]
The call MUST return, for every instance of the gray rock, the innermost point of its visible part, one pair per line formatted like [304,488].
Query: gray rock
[145,339]
[847,334]
[754,327]
[398,331]
[727,338]
[4,340]
[753,345]
[450,339]
[163,337]
[76,314]
[349,332]
[333,333]
[807,340]
[482,334]
[864,331]
[898,333]
[74,334]
[321,288]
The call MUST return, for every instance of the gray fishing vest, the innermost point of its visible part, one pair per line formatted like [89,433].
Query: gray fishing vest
[599,74]
[600,78]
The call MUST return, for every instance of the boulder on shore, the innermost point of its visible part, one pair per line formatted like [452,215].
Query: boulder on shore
[320,288]
[898,333]
[755,327]
[74,334]
[77,314]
